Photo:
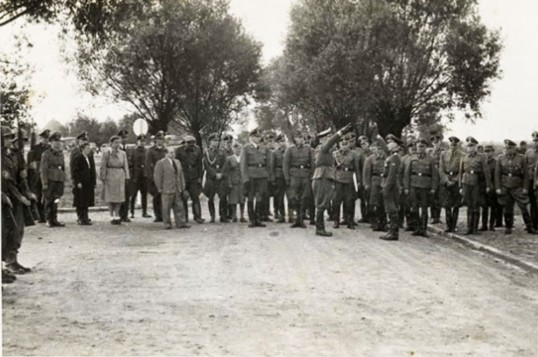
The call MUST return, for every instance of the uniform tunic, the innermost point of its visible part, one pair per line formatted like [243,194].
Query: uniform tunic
[298,166]
[391,183]
[420,178]
[511,177]
[215,163]
[372,176]
[473,170]
[324,174]
[449,170]
[53,174]
[236,183]
[347,165]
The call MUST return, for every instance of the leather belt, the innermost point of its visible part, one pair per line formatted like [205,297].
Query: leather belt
[301,166]
[343,168]
[420,174]
[452,173]
[257,165]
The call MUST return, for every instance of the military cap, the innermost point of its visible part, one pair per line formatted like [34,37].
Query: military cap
[82,136]
[535,135]
[324,133]
[393,146]
[189,138]
[471,141]
[141,137]
[454,139]
[279,138]
[269,135]
[523,142]
[6,131]
[213,136]
[181,142]
[45,133]
[114,138]
[255,132]
[159,135]
[489,148]
[435,136]
[411,143]
[123,133]
[363,138]
[422,142]
[509,142]
[391,137]
[56,136]
[227,137]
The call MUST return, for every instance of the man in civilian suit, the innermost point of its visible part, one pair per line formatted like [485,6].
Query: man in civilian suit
[170,183]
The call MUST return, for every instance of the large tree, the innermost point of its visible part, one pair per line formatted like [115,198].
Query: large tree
[394,62]
[184,61]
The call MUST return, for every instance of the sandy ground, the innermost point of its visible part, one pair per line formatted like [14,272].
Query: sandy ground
[230,290]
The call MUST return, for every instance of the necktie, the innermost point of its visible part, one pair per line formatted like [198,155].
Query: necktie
[174,165]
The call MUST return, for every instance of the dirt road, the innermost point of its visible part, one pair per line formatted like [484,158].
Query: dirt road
[229,290]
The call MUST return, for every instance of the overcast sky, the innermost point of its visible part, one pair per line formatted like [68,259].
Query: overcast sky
[510,111]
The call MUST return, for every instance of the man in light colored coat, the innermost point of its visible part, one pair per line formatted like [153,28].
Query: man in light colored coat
[170,183]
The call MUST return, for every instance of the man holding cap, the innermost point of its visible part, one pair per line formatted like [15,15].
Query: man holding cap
[511,184]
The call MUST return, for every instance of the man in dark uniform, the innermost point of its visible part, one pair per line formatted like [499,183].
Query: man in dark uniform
[255,175]
[216,182]
[449,173]
[228,141]
[190,156]
[17,200]
[53,178]
[82,138]
[139,179]
[124,208]
[364,146]
[531,158]
[324,175]
[34,176]
[405,207]
[420,180]
[268,142]
[154,154]
[491,205]
[473,170]
[390,188]
[372,175]
[310,208]
[346,165]
[437,141]
[298,166]
[279,185]
[511,184]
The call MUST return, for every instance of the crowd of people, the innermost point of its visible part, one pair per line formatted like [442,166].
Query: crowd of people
[398,185]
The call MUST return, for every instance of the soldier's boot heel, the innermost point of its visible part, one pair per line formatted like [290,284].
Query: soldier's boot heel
[469,223]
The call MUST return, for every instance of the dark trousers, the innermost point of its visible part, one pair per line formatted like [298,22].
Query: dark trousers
[420,200]
[194,188]
[139,184]
[255,190]
[279,191]
[490,211]
[344,196]
[508,198]
[14,232]
[533,197]
[299,196]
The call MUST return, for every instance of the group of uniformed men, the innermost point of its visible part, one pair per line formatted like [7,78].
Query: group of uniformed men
[396,183]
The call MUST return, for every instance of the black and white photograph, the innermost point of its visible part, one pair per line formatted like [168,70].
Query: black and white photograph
[269,178]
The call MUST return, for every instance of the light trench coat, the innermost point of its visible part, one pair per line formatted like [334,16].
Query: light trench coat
[114,171]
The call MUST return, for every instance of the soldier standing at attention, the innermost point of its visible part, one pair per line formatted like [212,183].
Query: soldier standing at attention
[154,154]
[420,180]
[437,141]
[390,189]
[190,156]
[228,140]
[511,184]
[473,170]
[53,178]
[298,165]
[34,176]
[372,175]
[405,208]
[324,175]
[363,195]
[346,165]
[139,179]
[279,185]
[491,206]
[216,182]
[531,158]
[449,172]
[268,142]
[255,175]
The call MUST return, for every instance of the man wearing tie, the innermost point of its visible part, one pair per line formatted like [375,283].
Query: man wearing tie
[170,184]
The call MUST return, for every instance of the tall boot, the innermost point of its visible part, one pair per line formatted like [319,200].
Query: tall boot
[13,265]
[320,225]
[211,206]
[382,220]
[394,226]
[197,211]
[476,220]
[485,212]
[492,215]
[509,223]
[455,216]
[336,216]
[499,217]
[351,221]
[259,212]
[223,209]
[424,224]
[415,219]
[374,218]
[234,212]
[469,222]
[251,214]
[242,213]
[78,210]
[299,219]
[448,217]
[528,222]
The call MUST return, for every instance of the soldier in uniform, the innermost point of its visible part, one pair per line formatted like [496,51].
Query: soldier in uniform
[449,172]
[473,170]
[372,175]
[531,158]
[324,175]
[390,189]
[364,146]
[420,180]
[190,156]
[268,142]
[34,177]
[491,205]
[310,209]
[346,165]
[511,184]
[139,178]
[17,198]
[279,185]
[154,154]
[82,138]
[298,165]
[255,175]
[216,181]
[228,141]
[437,141]
[405,208]
[53,178]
